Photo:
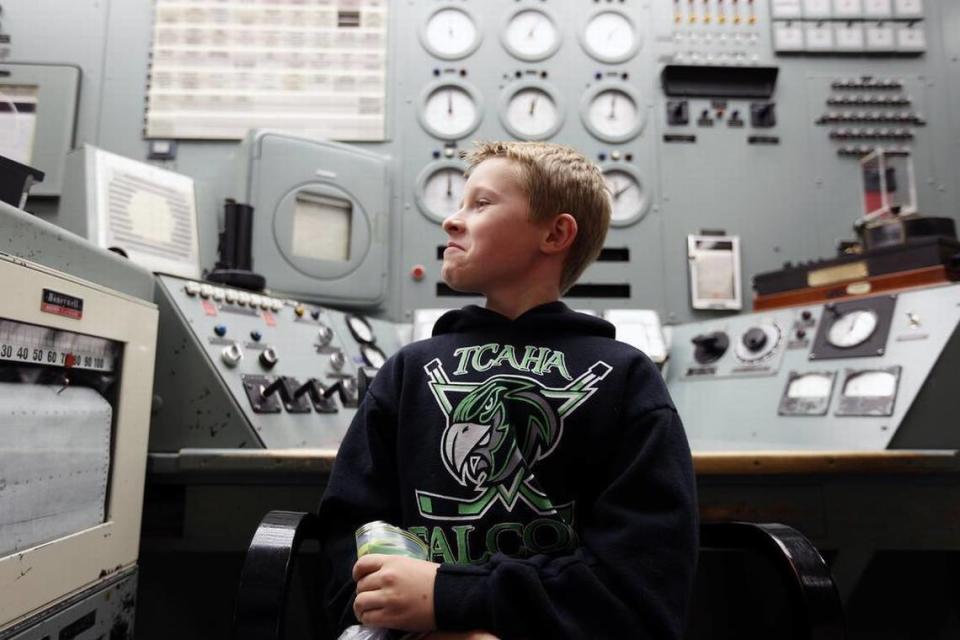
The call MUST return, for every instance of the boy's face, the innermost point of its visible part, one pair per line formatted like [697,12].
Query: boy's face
[491,240]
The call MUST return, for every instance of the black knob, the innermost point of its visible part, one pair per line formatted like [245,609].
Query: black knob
[268,358]
[710,347]
[754,339]
[806,315]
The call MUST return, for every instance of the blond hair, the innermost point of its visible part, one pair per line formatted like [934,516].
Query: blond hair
[558,179]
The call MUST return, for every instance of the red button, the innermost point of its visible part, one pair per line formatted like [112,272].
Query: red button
[418,272]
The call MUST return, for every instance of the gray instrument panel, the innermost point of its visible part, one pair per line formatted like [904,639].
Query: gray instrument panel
[850,376]
[234,369]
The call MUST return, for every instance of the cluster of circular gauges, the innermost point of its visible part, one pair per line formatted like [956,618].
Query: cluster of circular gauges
[363,333]
[440,188]
[611,111]
[531,34]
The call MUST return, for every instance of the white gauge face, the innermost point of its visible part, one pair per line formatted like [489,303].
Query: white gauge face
[450,111]
[360,328]
[451,33]
[373,355]
[852,329]
[609,36]
[613,114]
[531,35]
[442,192]
[870,384]
[810,385]
[532,113]
[626,192]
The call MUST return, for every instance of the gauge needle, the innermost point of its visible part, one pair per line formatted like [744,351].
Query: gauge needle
[619,192]
[533,105]
[533,27]
[450,103]
[449,185]
[613,107]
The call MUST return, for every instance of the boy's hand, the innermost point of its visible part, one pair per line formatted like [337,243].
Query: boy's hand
[395,592]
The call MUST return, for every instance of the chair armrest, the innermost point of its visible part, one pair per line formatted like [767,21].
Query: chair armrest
[267,568]
[796,560]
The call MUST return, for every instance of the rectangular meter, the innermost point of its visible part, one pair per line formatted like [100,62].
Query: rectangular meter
[76,374]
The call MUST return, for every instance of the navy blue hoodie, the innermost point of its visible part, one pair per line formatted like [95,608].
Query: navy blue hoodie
[544,465]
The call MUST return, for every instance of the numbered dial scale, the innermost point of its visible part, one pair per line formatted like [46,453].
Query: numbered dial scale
[31,344]
[610,36]
[531,35]
[630,200]
[440,189]
[450,33]
[450,109]
[854,329]
[531,110]
[612,112]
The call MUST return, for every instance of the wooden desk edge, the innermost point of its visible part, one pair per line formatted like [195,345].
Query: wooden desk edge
[825,462]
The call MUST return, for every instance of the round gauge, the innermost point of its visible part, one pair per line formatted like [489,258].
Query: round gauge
[450,33]
[531,111]
[630,200]
[531,34]
[757,343]
[852,328]
[440,189]
[360,328]
[372,355]
[810,385]
[870,384]
[450,110]
[610,36]
[612,112]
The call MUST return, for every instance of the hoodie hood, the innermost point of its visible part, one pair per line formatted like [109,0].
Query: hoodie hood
[552,317]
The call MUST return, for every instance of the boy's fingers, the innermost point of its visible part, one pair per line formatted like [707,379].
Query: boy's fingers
[369,582]
[365,603]
[367,565]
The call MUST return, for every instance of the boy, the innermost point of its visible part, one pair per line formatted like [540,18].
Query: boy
[542,461]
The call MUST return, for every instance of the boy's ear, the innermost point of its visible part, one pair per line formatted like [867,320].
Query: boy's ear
[561,232]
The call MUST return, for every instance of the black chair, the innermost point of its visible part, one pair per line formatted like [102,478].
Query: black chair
[265,581]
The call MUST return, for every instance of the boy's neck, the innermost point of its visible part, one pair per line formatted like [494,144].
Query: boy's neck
[513,302]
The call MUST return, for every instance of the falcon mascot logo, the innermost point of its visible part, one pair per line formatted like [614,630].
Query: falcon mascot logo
[496,432]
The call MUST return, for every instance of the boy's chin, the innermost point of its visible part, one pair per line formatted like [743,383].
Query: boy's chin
[460,285]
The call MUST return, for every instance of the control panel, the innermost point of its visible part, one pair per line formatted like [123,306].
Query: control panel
[864,374]
[239,369]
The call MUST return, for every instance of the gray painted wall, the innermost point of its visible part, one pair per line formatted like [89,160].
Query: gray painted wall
[787,202]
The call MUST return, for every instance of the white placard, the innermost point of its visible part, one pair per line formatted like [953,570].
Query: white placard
[818,36]
[877,8]
[786,9]
[911,37]
[816,8]
[879,37]
[908,8]
[55,457]
[787,36]
[847,9]
[315,67]
[848,36]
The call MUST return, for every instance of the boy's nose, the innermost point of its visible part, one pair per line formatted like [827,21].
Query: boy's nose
[453,224]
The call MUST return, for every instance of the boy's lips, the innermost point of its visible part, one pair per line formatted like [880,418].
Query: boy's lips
[453,245]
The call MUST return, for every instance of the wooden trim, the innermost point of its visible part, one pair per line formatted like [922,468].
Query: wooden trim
[753,463]
[886,283]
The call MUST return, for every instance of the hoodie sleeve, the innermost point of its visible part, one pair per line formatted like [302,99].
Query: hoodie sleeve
[362,487]
[632,574]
